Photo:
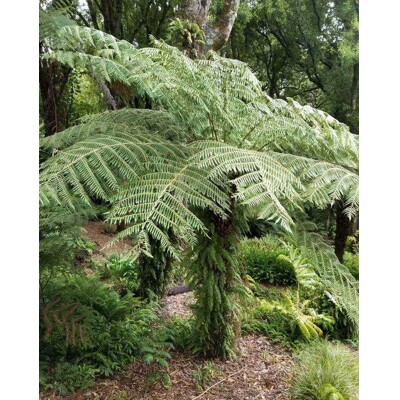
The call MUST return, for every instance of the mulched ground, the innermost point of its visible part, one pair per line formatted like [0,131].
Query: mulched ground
[261,371]
[177,306]
[96,232]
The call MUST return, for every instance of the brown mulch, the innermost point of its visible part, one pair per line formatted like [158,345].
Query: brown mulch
[177,306]
[261,371]
[95,231]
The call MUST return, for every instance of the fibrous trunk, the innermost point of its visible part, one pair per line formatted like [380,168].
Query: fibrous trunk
[343,228]
[154,273]
[53,79]
[215,278]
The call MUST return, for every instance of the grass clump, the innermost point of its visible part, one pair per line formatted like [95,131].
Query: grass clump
[325,371]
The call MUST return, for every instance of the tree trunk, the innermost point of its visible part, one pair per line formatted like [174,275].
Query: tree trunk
[112,15]
[217,33]
[343,228]
[53,78]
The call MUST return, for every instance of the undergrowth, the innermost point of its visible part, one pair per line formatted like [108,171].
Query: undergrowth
[263,261]
[87,329]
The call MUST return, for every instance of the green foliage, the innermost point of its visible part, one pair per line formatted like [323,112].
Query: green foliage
[187,35]
[98,165]
[263,261]
[271,154]
[340,288]
[86,323]
[351,261]
[122,272]
[68,378]
[286,318]
[260,319]
[154,272]
[326,371]
[84,96]
[204,374]
[303,318]
[178,332]
[85,247]
[352,244]
[302,49]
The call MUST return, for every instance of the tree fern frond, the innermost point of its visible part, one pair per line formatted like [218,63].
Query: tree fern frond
[113,123]
[259,178]
[96,166]
[341,286]
[159,201]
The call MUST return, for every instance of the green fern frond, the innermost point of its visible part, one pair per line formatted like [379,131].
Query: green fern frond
[160,201]
[113,123]
[259,178]
[340,286]
[97,165]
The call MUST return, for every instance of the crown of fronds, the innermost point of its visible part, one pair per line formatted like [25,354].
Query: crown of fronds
[277,154]
[153,184]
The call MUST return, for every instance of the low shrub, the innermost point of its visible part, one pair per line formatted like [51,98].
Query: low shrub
[325,371]
[259,319]
[261,257]
[178,333]
[86,328]
[286,317]
[122,273]
[351,261]
[69,378]
[85,247]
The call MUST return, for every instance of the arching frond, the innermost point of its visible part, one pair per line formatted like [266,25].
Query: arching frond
[325,182]
[159,202]
[113,123]
[98,165]
[258,177]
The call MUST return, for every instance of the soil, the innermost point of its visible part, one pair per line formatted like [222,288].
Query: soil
[261,371]
[96,232]
[177,306]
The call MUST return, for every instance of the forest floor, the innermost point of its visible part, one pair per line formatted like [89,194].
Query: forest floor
[261,371]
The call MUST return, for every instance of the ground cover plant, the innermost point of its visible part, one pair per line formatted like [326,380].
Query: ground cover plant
[228,196]
[326,371]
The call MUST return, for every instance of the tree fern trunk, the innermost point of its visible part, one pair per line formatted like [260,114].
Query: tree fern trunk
[343,227]
[53,79]
[154,273]
[215,278]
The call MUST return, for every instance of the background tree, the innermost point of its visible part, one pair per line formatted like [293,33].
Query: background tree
[305,49]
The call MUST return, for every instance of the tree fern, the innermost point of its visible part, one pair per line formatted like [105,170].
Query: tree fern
[226,98]
[239,148]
